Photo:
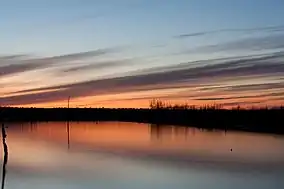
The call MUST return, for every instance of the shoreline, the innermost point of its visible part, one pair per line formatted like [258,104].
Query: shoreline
[258,121]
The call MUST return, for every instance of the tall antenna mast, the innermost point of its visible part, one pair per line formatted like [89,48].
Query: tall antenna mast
[68,101]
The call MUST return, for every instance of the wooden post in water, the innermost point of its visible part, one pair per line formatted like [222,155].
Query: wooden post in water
[5,148]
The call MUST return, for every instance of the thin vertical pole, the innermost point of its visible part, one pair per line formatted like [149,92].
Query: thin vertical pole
[68,125]
[68,135]
[68,102]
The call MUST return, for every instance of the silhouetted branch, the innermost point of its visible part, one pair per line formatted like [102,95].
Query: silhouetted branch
[5,147]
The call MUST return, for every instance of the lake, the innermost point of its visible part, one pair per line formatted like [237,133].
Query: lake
[118,155]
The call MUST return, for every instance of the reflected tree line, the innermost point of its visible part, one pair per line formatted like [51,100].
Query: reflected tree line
[160,132]
[33,127]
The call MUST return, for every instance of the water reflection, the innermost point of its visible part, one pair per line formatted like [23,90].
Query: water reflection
[159,132]
[68,134]
[130,154]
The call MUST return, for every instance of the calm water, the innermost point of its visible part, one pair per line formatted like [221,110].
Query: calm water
[115,155]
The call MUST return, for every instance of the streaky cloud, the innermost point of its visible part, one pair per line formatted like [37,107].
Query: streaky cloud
[194,77]
[80,55]
[218,62]
[278,28]
[17,68]
[232,68]
[193,34]
[12,57]
[275,94]
[97,65]
[23,65]
[272,42]
[243,103]
[253,87]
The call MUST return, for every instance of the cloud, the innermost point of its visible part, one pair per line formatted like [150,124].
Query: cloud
[16,68]
[192,77]
[12,57]
[272,42]
[97,65]
[193,34]
[242,104]
[275,94]
[240,30]
[247,87]
[23,65]
[80,55]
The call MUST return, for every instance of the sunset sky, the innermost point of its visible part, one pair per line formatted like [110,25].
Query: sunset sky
[123,53]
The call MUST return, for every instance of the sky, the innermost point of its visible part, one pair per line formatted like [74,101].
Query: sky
[110,53]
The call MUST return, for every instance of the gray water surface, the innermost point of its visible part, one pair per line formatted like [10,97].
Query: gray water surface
[117,155]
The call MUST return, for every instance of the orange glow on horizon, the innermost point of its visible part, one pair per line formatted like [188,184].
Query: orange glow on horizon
[144,103]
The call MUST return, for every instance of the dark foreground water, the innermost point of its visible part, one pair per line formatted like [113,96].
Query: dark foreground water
[115,155]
